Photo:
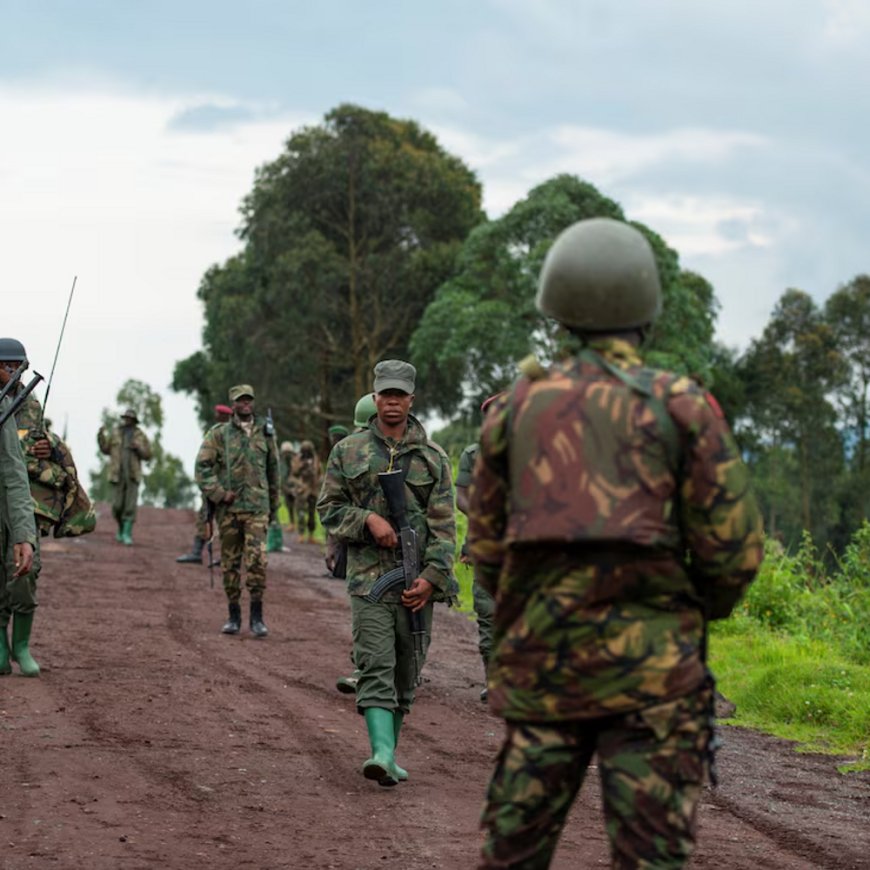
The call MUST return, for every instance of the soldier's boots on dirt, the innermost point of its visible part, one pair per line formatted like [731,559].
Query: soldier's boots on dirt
[5,661]
[127,532]
[22,623]
[398,718]
[194,557]
[347,685]
[382,736]
[233,625]
[119,535]
[258,627]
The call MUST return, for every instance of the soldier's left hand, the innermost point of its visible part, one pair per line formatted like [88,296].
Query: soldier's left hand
[23,555]
[418,595]
[41,449]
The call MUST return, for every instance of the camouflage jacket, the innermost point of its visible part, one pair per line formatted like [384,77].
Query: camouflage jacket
[610,511]
[351,492]
[127,448]
[231,460]
[59,501]
[16,505]
[305,475]
[466,464]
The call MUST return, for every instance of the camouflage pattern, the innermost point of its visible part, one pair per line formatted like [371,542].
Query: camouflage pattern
[243,538]
[351,491]
[541,767]
[306,474]
[230,459]
[127,448]
[60,502]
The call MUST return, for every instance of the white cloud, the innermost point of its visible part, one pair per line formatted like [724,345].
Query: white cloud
[847,23]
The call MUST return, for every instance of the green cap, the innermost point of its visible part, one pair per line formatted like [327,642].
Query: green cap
[338,429]
[394,374]
[130,414]
[240,390]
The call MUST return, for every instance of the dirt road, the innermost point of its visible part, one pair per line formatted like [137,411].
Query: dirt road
[151,740]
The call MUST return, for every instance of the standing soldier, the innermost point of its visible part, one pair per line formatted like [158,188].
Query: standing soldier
[237,470]
[353,507]
[288,485]
[611,516]
[127,447]
[307,474]
[222,414]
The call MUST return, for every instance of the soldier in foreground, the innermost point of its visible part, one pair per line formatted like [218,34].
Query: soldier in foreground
[611,515]
[222,414]
[127,447]
[237,470]
[59,503]
[353,507]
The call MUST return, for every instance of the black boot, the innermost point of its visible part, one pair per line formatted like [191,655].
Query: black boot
[258,627]
[234,624]
[195,555]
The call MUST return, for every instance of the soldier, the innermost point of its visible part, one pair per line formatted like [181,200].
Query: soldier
[352,506]
[336,433]
[222,414]
[288,485]
[307,475]
[237,469]
[611,516]
[127,447]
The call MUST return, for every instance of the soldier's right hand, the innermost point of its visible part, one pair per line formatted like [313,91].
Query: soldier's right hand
[42,449]
[229,497]
[23,556]
[382,531]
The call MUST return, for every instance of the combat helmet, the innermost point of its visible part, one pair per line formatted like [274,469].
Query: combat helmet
[364,410]
[600,275]
[12,349]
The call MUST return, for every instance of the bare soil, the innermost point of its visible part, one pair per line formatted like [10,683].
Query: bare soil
[151,740]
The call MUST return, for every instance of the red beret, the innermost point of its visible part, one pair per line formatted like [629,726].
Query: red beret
[223,409]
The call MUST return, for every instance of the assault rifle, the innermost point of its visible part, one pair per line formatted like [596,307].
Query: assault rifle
[18,401]
[407,571]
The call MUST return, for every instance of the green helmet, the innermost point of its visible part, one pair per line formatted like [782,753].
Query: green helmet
[12,350]
[363,411]
[600,275]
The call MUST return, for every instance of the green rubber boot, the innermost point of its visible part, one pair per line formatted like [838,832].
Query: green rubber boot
[5,662]
[22,623]
[381,766]
[119,535]
[127,532]
[398,718]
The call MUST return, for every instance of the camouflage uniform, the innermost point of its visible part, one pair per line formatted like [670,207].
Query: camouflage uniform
[127,447]
[306,474]
[231,459]
[609,510]
[484,604]
[288,485]
[382,649]
[16,527]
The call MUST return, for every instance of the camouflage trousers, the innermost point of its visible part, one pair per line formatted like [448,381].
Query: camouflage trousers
[125,500]
[202,521]
[18,594]
[307,514]
[243,538]
[383,652]
[484,608]
[651,762]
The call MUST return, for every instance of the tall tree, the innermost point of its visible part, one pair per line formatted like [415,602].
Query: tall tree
[484,320]
[347,235]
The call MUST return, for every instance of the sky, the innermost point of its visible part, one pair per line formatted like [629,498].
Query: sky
[130,133]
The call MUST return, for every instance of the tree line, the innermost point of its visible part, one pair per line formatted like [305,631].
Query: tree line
[364,239]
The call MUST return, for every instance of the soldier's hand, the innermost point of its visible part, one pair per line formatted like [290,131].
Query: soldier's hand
[23,555]
[41,449]
[416,597]
[229,497]
[382,531]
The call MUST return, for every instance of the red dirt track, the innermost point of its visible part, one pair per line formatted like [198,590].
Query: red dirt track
[151,740]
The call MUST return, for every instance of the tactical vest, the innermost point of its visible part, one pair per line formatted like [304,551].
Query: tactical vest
[594,456]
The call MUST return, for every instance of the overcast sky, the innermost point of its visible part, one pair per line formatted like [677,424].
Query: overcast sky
[129,133]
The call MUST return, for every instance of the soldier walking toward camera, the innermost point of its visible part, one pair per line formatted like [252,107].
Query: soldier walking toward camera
[127,447]
[353,507]
[611,516]
[307,476]
[237,470]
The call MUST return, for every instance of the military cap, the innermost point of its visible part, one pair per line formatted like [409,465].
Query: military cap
[223,409]
[394,374]
[338,429]
[130,414]
[240,390]
[287,447]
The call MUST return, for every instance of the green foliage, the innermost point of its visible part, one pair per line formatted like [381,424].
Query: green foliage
[347,235]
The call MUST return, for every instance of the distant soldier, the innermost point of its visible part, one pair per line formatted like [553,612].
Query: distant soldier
[307,475]
[611,515]
[288,485]
[237,469]
[336,433]
[222,414]
[353,507]
[127,447]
